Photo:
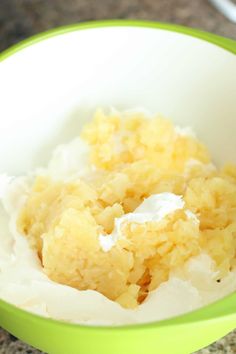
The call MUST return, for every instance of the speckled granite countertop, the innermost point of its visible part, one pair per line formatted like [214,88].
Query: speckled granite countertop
[20,19]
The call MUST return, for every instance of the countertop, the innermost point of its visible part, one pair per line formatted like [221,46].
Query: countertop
[20,19]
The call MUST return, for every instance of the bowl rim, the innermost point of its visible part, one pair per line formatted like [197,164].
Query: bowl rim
[223,42]
[222,308]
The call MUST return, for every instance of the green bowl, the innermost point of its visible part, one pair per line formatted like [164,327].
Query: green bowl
[179,335]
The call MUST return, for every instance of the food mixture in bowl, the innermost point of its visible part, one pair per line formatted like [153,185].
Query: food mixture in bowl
[132,214]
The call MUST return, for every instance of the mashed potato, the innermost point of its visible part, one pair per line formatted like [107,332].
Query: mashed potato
[133,209]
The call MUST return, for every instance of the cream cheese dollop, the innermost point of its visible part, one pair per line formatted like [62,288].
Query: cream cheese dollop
[154,208]
[69,161]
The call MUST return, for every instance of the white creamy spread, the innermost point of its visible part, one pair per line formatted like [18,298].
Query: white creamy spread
[154,208]
[69,160]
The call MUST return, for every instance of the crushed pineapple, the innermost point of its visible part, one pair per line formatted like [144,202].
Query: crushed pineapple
[134,158]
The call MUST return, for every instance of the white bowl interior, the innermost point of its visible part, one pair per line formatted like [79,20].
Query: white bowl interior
[49,89]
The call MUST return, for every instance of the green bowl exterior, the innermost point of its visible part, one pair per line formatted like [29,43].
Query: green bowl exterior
[180,335]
